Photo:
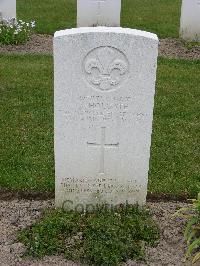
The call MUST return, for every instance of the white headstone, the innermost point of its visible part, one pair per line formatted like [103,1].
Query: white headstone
[8,8]
[104,98]
[190,20]
[98,13]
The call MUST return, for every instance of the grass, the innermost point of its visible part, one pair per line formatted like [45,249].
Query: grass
[50,15]
[175,161]
[104,237]
[190,45]
[26,115]
[158,16]
[26,131]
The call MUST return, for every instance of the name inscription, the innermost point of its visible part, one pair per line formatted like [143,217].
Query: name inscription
[104,108]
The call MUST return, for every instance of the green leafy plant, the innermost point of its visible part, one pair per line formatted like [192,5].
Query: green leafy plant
[104,237]
[191,45]
[15,32]
[192,231]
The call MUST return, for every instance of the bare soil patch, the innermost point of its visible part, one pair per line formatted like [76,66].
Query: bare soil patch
[9,194]
[175,48]
[18,214]
[38,44]
[43,44]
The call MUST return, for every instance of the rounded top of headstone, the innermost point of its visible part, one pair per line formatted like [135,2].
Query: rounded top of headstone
[118,30]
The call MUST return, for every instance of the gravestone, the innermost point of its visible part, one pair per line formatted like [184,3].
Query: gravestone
[7,9]
[98,13]
[104,98]
[190,20]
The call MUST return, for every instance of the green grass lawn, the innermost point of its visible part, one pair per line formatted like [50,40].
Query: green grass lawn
[158,16]
[175,161]
[26,128]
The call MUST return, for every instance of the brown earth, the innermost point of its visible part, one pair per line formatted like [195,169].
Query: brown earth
[42,44]
[9,194]
[17,214]
[38,44]
[176,48]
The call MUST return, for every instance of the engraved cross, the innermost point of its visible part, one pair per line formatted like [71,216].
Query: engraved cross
[102,146]
[99,2]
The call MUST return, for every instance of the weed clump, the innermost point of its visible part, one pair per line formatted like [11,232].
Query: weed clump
[105,237]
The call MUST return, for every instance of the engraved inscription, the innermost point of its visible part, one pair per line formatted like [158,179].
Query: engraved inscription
[105,68]
[99,3]
[105,108]
[102,146]
[104,185]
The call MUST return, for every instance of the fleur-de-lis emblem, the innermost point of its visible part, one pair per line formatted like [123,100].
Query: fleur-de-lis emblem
[105,68]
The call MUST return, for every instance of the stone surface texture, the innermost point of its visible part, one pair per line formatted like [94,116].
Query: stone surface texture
[190,20]
[98,13]
[7,8]
[104,98]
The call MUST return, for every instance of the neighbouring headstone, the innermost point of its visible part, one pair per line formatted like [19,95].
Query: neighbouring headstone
[7,9]
[92,13]
[190,20]
[104,98]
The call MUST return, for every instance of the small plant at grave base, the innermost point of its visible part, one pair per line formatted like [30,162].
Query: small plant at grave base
[14,31]
[104,237]
[192,230]
[191,45]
